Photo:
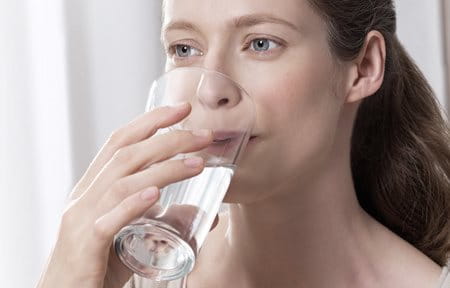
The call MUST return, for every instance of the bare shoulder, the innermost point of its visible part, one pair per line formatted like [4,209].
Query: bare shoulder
[418,276]
[428,273]
[401,264]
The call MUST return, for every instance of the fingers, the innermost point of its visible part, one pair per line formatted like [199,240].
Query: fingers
[137,130]
[153,150]
[156,149]
[132,207]
[159,175]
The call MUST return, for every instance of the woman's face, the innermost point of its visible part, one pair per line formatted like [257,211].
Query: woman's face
[278,51]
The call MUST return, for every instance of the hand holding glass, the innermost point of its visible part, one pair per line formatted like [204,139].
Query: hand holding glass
[163,244]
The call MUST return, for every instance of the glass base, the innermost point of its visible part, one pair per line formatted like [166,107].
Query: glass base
[152,250]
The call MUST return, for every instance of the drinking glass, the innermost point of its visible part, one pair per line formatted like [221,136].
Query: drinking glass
[163,244]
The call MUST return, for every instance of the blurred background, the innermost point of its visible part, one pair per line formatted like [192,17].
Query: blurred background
[73,71]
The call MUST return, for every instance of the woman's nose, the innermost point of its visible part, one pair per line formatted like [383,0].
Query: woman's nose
[217,92]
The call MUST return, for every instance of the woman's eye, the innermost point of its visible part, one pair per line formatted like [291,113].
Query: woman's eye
[184,51]
[262,45]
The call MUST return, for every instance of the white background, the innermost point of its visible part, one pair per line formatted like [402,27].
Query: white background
[70,73]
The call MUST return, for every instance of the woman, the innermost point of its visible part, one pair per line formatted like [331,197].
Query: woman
[345,185]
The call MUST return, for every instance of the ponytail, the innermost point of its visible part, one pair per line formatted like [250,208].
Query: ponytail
[401,157]
[400,153]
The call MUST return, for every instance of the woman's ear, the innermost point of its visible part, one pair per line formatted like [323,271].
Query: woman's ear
[367,70]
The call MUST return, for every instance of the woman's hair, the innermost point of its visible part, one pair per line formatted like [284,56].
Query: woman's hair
[400,145]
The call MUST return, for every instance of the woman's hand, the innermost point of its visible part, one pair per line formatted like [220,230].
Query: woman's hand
[119,186]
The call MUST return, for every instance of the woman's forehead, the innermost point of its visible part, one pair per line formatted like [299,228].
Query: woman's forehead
[215,8]
[232,12]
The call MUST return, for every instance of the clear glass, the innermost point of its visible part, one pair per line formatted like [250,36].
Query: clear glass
[140,282]
[162,244]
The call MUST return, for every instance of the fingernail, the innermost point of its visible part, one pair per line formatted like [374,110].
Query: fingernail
[193,162]
[202,133]
[150,194]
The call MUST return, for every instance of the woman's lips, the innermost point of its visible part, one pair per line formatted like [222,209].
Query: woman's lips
[226,135]
[253,139]
[225,142]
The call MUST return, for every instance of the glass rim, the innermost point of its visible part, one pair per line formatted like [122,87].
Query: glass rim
[208,71]
[212,72]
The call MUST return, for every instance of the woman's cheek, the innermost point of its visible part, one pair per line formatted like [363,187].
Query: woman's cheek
[301,112]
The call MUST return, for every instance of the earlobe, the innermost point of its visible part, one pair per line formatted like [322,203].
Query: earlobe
[367,71]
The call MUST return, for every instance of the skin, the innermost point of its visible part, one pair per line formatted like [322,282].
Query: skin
[294,218]
[113,192]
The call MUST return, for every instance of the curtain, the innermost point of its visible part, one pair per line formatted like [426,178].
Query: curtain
[35,144]
[425,42]
[70,73]
[446,38]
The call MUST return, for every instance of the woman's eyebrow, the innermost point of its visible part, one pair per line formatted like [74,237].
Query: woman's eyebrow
[239,22]
[256,19]
[179,25]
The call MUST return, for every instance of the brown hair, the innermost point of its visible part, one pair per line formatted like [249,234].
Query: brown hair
[400,144]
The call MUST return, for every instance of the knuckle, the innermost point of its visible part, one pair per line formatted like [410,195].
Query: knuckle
[177,143]
[123,155]
[116,138]
[69,216]
[101,230]
[181,139]
[127,207]
[119,189]
[155,121]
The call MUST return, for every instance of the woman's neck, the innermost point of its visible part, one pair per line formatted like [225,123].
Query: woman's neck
[312,233]
[295,236]
[317,237]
